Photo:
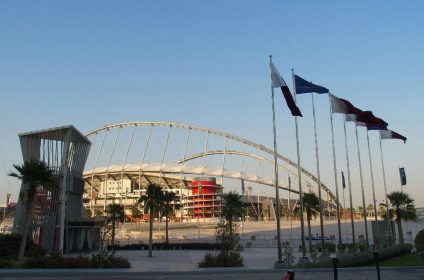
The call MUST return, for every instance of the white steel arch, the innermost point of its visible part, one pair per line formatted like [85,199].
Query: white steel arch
[182,162]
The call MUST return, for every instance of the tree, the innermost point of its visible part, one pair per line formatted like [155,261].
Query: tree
[370,210]
[382,211]
[360,210]
[232,207]
[86,212]
[98,213]
[311,204]
[285,212]
[153,200]
[228,237]
[115,212]
[135,212]
[404,208]
[170,204]
[105,240]
[34,175]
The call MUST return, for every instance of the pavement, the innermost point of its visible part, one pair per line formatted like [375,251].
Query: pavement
[182,264]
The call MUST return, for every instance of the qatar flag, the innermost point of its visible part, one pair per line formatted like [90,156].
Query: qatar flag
[390,134]
[278,82]
[339,105]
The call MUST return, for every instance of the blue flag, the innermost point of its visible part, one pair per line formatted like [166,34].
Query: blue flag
[303,86]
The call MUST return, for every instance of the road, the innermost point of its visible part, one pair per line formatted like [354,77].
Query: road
[212,274]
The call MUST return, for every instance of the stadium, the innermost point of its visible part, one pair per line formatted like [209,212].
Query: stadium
[196,163]
[115,164]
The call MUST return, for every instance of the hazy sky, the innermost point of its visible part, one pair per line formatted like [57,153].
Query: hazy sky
[91,63]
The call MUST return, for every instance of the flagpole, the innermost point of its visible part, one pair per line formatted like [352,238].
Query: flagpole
[389,228]
[277,196]
[350,184]
[319,178]
[290,212]
[373,192]
[336,183]
[344,207]
[299,175]
[362,186]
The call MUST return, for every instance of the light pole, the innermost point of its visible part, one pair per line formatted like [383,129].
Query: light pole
[199,190]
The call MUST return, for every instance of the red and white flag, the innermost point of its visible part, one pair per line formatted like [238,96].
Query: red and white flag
[353,118]
[390,134]
[278,82]
[339,105]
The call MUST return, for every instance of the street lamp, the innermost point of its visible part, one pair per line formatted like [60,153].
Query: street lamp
[199,190]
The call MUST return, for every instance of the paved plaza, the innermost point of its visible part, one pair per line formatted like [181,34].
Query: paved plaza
[415,273]
[182,264]
[258,234]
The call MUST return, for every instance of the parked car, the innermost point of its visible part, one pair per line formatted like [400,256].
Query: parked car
[317,237]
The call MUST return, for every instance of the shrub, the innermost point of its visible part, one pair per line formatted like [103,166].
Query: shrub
[288,257]
[9,263]
[313,255]
[419,241]
[57,261]
[355,259]
[226,234]
[170,246]
[329,247]
[230,259]
[228,237]
[75,262]
[119,262]
[9,247]
[110,262]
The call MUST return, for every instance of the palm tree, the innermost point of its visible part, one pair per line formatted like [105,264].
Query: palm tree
[404,208]
[311,204]
[98,213]
[285,212]
[232,207]
[168,209]
[382,211]
[153,200]
[115,212]
[34,174]
[370,210]
[360,210]
[135,212]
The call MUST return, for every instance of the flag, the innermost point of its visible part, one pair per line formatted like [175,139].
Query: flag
[339,105]
[402,176]
[367,119]
[289,182]
[243,190]
[389,134]
[377,124]
[353,118]
[303,86]
[343,181]
[278,82]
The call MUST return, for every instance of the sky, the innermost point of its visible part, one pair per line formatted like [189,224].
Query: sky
[91,63]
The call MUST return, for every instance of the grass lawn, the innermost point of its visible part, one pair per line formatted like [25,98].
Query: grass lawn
[407,260]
